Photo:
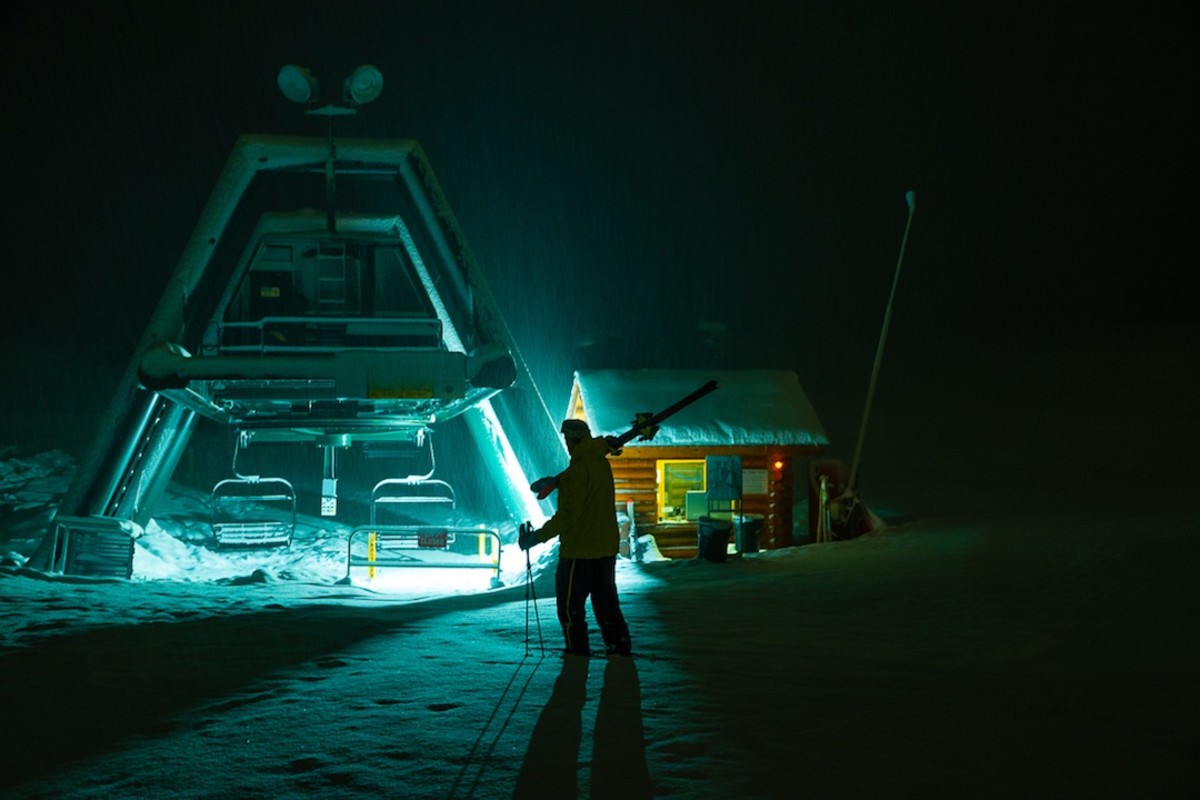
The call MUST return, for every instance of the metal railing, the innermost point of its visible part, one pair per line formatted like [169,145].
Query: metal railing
[423,546]
[306,334]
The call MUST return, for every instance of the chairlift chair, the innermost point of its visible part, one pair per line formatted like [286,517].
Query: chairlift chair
[414,489]
[253,511]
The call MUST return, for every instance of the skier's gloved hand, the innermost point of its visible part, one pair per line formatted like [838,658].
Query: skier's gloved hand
[542,487]
[526,536]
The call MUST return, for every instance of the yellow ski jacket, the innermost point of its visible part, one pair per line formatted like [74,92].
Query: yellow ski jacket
[586,519]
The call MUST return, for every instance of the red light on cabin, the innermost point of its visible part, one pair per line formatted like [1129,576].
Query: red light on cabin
[778,464]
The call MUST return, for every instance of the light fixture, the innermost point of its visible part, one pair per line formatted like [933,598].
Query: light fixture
[360,87]
[297,84]
[363,85]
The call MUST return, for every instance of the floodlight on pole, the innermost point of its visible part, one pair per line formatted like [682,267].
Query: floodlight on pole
[297,84]
[363,85]
[359,88]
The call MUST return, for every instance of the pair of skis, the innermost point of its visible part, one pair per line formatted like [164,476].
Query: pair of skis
[645,426]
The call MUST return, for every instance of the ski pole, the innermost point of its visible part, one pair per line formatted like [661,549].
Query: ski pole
[528,572]
[531,591]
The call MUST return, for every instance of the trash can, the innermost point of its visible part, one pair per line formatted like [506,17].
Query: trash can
[712,538]
[747,532]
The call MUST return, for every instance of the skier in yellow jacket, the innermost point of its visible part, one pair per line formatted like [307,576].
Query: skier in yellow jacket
[586,524]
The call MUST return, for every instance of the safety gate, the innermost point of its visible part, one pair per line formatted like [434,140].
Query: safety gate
[375,547]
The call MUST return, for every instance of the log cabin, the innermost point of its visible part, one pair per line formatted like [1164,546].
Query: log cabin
[731,455]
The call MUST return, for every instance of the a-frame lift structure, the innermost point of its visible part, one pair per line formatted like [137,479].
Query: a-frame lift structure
[326,295]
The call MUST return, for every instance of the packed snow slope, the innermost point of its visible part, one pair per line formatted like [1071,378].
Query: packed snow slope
[1023,627]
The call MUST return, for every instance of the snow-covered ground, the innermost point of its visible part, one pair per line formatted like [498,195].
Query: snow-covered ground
[1032,636]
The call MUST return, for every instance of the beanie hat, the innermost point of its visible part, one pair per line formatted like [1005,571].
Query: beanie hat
[575,429]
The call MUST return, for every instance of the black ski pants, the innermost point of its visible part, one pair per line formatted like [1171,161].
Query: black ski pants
[575,581]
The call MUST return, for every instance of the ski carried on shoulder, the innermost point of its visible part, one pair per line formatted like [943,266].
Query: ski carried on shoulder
[644,427]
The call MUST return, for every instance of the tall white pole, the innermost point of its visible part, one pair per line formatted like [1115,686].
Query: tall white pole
[911,199]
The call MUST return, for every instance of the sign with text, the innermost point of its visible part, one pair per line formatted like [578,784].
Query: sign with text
[754,481]
[432,540]
[724,477]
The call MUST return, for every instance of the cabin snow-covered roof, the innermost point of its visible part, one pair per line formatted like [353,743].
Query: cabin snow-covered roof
[750,407]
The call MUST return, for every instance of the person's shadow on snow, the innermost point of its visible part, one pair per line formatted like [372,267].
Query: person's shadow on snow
[551,758]
[618,747]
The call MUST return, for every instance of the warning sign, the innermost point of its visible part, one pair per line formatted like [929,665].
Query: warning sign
[432,540]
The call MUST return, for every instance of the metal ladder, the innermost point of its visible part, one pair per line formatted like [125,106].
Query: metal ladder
[331,279]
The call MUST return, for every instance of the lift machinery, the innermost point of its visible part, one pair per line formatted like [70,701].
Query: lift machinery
[326,296]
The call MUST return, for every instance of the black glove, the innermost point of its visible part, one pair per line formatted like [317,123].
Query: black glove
[526,536]
[542,487]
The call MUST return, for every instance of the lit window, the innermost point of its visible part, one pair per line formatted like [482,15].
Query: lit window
[676,478]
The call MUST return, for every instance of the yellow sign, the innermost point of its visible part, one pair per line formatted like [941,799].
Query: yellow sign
[371,554]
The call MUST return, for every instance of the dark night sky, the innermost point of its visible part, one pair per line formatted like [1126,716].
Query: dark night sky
[666,163]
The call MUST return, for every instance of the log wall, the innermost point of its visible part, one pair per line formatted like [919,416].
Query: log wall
[636,477]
